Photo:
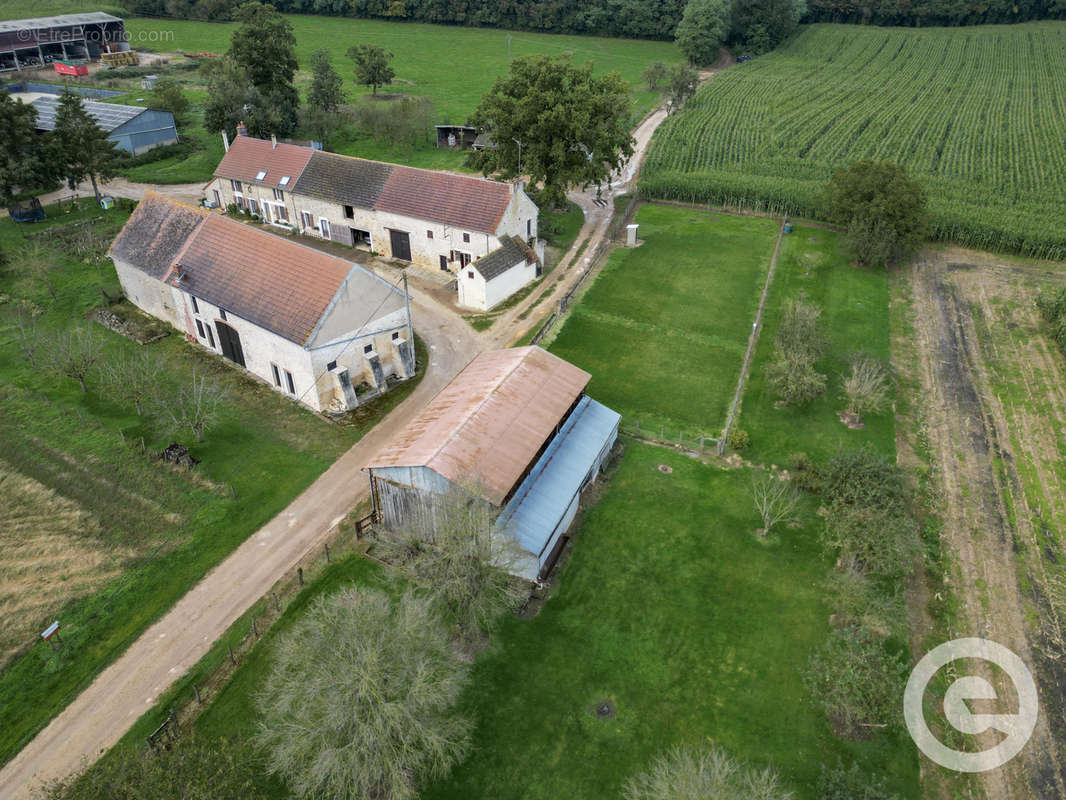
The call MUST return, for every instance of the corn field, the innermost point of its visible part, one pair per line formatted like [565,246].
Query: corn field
[977,115]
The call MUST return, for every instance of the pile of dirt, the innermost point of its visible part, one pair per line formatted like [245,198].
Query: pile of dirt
[179,454]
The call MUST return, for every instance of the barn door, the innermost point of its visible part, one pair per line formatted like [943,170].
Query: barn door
[401,245]
[230,342]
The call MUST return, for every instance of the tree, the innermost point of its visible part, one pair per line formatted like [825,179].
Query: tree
[863,600]
[463,559]
[194,406]
[573,126]
[264,49]
[39,262]
[232,100]
[762,25]
[703,27]
[168,96]
[325,94]
[883,210]
[655,75]
[866,386]
[25,162]
[795,381]
[775,499]
[689,774]
[30,338]
[856,681]
[187,769]
[82,146]
[74,353]
[851,784]
[798,346]
[372,66]
[136,376]
[682,82]
[360,702]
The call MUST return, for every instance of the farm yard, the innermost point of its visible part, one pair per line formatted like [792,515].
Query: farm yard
[664,326]
[127,535]
[975,114]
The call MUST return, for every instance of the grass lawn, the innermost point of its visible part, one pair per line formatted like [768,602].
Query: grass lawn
[855,317]
[159,529]
[696,630]
[664,327]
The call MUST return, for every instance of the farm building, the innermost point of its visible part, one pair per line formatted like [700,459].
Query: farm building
[437,220]
[516,427]
[328,333]
[131,128]
[26,43]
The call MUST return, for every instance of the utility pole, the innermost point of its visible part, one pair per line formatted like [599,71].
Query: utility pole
[519,155]
[410,329]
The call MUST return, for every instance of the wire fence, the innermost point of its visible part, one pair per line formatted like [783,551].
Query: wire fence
[689,441]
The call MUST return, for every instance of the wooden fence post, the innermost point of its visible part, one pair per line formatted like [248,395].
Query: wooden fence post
[277,602]
[232,660]
[327,552]
[300,575]
[196,691]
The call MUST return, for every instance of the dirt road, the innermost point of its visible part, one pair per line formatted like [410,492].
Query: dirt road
[992,408]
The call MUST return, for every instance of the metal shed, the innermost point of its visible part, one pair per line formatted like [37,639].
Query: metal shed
[132,128]
[42,40]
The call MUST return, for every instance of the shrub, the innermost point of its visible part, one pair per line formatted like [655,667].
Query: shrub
[794,381]
[851,784]
[739,439]
[688,774]
[866,386]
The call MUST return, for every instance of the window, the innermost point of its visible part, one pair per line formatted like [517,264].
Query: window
[279,195]
[240,202]
[260,175]
[222,313]
[200,329]
[284,180]
[529,228]
[395,335]
[236,186]
[278,213]
[470,273]
[349,212]
[307,219]
[210,337]
[463,258]
[332,365]
[277,374]
[253,207]
[218,199]
[288,381]
[429,234]
[466,238]
[324,227]
[368,348]
[195,307]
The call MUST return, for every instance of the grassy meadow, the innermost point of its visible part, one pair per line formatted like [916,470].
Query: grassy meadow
[973,113]
[664,327]
[151,531]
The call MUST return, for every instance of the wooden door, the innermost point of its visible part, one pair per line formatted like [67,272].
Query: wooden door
[401,245]
[230,342]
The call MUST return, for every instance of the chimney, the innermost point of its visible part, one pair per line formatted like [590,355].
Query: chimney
[273,141]
[225,141]
[517,185]
[242,129]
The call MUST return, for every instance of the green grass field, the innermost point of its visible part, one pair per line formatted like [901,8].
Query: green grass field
[163,529]
[664,327]
[855,317]
[975,114]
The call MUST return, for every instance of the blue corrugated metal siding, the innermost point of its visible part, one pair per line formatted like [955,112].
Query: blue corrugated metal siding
[547,497]
[145,131]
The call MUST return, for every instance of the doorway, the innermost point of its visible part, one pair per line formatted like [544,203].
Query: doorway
[230,342]
[401,245]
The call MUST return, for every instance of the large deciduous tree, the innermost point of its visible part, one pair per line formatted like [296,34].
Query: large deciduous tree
[761,25]
[233,99]
[168,96]
[264,47]
[573,126]
[82,146]
[702,29]
[372,65]
[882,209]
[326,93]
[24,162]
[361,700]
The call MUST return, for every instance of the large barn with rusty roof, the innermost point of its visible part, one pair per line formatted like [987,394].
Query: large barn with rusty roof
[437,220]
[328,333]
[515,427]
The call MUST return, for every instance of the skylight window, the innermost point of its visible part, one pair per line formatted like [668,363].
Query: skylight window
[284,180]
[260,175]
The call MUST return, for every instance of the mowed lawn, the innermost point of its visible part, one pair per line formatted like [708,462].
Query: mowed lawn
[855,318]
[664,327]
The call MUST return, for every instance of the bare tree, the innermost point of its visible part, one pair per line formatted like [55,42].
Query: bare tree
[74,352]
[135,376]
[40,263]
[361,700]
[688,774]
[866,386]
[29,337]
[775,499]
[457,551]
[194,406]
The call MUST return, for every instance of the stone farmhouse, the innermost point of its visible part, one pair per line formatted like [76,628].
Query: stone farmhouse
[328,333]
[516,427]
[436,220]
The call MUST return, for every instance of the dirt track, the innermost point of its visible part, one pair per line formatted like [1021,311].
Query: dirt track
[992,406]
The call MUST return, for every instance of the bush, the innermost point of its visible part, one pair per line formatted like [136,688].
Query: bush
[805,473]
[794,381]
[799,344]
[864,477]
[851,784]
[688,774]
[739,439]
[866,386]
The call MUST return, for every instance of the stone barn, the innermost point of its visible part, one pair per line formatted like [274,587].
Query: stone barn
[328,333]
[517,425]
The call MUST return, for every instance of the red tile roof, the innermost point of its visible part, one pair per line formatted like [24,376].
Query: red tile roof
[274,283]
[476,204]
[248,156]
[489,423]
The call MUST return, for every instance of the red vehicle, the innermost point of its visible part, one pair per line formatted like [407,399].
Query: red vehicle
[70,68]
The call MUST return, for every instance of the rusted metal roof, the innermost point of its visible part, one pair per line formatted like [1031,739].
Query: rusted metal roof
[487,426]
[247,157]
[155,232]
